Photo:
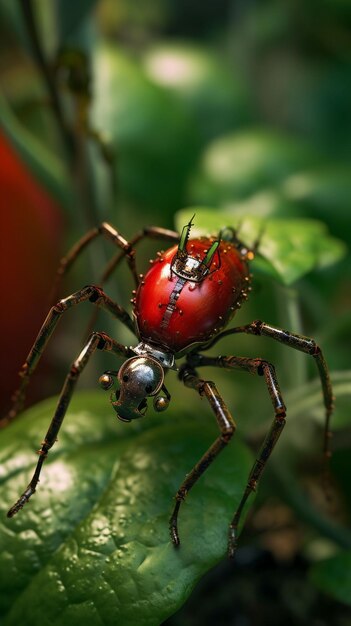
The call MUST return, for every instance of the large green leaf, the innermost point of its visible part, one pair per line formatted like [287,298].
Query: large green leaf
[288,248]
[333,575]
[92,546]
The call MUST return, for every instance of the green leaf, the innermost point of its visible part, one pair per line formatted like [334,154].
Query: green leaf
[92,546]
[215,94]
[288,248]
[333,575]
[323,193]
[241,163]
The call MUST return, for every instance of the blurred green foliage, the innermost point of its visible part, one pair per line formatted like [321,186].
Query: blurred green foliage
[133,112]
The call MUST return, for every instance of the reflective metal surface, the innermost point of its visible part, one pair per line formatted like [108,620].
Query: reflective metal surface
[139,377]
[166,358]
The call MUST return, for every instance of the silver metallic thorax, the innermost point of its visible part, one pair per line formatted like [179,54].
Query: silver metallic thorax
[165,358]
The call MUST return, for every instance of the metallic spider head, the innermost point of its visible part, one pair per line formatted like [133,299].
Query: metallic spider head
[139,377]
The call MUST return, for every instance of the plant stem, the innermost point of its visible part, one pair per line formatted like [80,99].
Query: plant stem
[74,138]
[28,15]
[290,313]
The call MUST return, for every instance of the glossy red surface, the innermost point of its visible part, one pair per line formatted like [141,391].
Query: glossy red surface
[31,225]
[202,309]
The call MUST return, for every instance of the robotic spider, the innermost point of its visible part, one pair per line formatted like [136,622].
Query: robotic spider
[181,307]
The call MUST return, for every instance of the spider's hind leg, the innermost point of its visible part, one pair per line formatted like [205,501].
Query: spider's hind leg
[267,370]
[227,428]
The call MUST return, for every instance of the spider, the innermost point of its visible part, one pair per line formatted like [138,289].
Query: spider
[180,308]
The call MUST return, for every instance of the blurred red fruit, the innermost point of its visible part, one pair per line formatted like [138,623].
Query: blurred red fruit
[31,232]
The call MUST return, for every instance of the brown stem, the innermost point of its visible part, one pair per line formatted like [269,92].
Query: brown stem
[29,18]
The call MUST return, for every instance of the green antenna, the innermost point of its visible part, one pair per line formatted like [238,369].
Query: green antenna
[210,254]
[185,236]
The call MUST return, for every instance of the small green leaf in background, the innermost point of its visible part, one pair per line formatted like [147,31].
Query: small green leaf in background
[92,546]
[323,193]
[238,164]
[333,576]
[215,93]
[288,248]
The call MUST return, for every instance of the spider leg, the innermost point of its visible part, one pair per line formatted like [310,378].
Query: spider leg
[96,341]
[90,293]
[266,369]
[127,250]
[111,234]
[303,344]
[152,232]
[227,428]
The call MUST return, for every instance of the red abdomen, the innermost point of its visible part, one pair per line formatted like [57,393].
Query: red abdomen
[174,313]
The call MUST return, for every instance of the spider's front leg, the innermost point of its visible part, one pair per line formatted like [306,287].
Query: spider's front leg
[227,428]
[149,232]
[127,250]
[91,293]
[96,341]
